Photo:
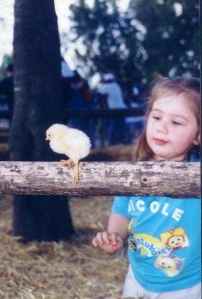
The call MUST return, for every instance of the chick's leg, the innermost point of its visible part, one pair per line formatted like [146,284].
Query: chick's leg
[72,164]
[76,172]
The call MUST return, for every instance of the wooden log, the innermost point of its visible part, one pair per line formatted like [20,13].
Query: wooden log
[179,179]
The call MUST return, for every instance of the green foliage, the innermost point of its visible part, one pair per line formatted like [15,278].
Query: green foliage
[7,59]
[171,40]
[152,36]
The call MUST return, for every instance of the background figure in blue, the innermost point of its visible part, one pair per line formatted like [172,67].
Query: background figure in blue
[112,98]
[135,98]
[66,75]
[81,99]
[7,91]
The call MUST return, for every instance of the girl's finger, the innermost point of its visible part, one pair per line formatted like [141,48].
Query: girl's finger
[95,242]
[106,237]
[98,239]
[115,238]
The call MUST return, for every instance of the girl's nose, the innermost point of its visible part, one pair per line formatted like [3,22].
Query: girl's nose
[163,127]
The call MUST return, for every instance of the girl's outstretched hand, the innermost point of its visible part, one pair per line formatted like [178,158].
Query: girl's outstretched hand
[109,242]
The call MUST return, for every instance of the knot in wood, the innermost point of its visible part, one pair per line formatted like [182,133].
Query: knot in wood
[144,180]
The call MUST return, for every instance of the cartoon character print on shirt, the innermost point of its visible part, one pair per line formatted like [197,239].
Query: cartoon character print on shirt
[147,245]
[174,239]
[170,265]
[162,248]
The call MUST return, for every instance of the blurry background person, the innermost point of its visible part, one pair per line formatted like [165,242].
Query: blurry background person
[81,100]
[66,75]
[111,98]
[134,99]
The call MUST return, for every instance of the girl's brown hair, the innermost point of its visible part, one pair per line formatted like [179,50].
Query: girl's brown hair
[162,87]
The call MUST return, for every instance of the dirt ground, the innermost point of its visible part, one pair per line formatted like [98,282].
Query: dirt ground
[65,270]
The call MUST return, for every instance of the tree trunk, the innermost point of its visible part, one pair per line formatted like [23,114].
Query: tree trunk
[38,104]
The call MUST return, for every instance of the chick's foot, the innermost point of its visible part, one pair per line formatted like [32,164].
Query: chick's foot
[75,165]
[68,163]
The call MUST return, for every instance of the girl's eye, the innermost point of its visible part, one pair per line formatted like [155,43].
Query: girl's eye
[176,123]
[156,117]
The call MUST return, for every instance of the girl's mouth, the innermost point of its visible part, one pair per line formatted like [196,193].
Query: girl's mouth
[159,141]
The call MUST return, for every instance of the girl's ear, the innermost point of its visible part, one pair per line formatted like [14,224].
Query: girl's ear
[197,140]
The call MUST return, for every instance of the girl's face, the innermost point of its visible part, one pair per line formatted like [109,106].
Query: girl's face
[172,128]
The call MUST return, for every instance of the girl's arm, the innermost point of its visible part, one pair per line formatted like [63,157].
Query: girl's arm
[112,240]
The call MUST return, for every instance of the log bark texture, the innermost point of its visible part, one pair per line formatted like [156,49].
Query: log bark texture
[175,179]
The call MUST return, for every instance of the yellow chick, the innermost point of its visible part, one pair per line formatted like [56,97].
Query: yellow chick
[71,142]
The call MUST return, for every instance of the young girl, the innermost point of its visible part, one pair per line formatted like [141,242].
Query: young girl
[163,233]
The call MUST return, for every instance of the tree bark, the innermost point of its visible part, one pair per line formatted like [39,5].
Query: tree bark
[175,179]
[38,104]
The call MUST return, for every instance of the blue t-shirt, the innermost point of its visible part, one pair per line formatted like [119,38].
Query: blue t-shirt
[164,243]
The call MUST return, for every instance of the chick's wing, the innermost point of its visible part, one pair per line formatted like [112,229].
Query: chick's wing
[77,144]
